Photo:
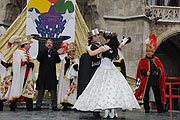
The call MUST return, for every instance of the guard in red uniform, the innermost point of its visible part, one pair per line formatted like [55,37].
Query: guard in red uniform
[150,74]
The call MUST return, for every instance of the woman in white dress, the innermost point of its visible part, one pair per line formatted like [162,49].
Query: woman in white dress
[108,89]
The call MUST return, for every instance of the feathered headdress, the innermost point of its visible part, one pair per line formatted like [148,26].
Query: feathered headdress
[151,43]
[71,47]
[63,47]
[20,40]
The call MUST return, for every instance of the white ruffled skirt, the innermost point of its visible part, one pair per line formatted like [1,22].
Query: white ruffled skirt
[107,89]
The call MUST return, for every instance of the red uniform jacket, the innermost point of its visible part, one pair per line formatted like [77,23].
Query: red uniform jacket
[145,64]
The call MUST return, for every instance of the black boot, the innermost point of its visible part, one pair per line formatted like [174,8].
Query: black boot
[97,114]
[29,105]
[37,108]
[1,105]
[66,106]
[146,111]
[13,106]
[55,108]
[124,110]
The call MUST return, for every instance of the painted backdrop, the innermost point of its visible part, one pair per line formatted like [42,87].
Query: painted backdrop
[50,19]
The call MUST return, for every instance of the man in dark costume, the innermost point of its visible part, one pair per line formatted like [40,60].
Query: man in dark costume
[150,74]
[88,64]
[47,79]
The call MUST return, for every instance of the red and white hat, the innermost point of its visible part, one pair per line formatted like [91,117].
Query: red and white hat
[20,40]
[151,43]
[63,48]
[71,47]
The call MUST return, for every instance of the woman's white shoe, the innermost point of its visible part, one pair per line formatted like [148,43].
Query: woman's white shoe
[116,115]
[111,114]
[106,113]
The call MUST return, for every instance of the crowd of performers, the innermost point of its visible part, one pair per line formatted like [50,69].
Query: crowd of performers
[97,82]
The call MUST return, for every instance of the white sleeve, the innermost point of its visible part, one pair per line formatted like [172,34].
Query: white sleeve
[106,47]
[2,57]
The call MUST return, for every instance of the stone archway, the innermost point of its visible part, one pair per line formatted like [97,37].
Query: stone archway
[168,50]
[169,53]
[167,34]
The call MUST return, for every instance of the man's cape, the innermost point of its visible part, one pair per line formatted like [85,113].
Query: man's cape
[142,80]
[83,74]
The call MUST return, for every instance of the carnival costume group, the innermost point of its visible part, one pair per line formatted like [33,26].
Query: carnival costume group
[96,82]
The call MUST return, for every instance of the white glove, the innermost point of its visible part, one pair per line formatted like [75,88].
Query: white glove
[88,48]
[60,51]
[124,41]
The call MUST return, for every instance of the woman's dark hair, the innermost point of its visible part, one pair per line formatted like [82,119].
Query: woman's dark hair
[113,43]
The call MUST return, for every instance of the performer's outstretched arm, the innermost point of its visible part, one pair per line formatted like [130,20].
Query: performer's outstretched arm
[95,52]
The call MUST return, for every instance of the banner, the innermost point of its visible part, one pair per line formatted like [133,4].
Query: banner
[50,19]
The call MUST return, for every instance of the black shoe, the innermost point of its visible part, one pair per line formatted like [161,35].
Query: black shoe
[1,105]
[146,111]
[97,115]
[30,109]
[65,109]
[162,111]
[12,109]
[37,108]
[55,109]
[29,104]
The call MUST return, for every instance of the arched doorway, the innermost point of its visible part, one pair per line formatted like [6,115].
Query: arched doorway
[169,54]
